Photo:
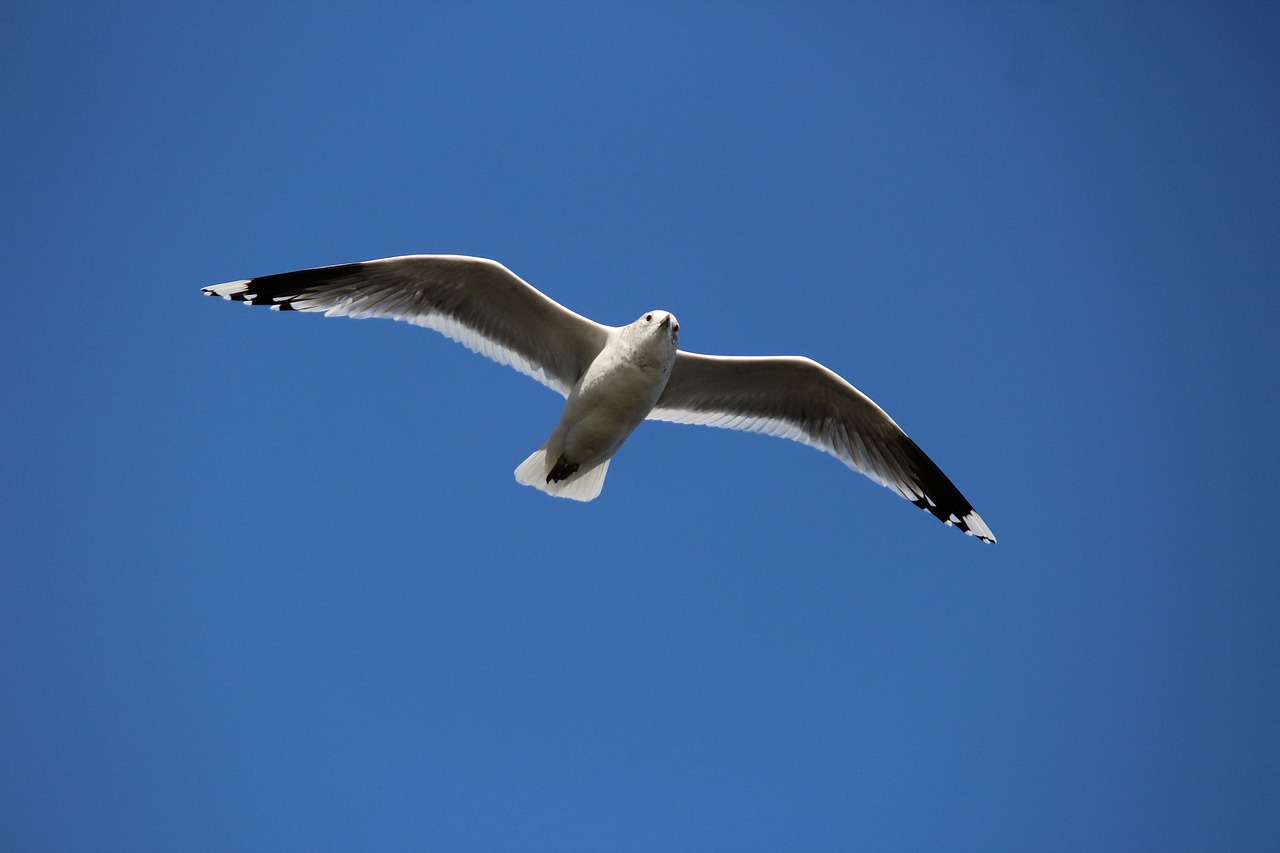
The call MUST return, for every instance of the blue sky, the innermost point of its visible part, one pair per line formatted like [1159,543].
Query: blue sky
[267,581]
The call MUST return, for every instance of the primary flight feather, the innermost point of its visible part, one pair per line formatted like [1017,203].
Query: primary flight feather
[614,377]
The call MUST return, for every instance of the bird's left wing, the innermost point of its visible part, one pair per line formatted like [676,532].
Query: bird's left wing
[477,302]
[797,398]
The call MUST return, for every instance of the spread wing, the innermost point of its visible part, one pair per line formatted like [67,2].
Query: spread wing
[799,399]
[477,302]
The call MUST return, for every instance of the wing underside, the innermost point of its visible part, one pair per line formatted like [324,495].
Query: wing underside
[479,303]
[799,399]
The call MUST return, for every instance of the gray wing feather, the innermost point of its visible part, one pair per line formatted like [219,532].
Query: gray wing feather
[477,302]
[799,399]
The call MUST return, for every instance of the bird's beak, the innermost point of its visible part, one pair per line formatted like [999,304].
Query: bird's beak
[666,321]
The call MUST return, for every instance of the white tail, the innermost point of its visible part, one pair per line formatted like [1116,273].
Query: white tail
[581,485]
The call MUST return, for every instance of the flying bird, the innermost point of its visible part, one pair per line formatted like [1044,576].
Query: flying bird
[614,377]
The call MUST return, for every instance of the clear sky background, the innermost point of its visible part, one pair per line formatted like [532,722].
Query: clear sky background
[267,581]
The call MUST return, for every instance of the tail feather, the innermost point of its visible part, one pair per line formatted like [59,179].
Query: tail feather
[583,485]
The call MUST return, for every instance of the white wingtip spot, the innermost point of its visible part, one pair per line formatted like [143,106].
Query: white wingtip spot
[229,289]
[978,527]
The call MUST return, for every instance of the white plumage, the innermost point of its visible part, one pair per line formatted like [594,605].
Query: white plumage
[616,377]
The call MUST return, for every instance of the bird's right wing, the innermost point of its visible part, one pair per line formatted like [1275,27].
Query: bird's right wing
[797,398]
[477,302]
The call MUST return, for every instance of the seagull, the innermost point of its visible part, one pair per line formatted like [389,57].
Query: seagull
[615,377]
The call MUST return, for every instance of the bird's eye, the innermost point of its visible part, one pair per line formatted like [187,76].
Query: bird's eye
[676,327]
[648,318]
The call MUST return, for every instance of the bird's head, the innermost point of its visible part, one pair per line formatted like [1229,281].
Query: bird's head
[656,324]
[654,337]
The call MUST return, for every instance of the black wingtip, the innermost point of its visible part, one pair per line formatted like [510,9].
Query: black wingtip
[278,291]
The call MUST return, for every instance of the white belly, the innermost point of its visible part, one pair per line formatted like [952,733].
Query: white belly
[616,393]
[608,403]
